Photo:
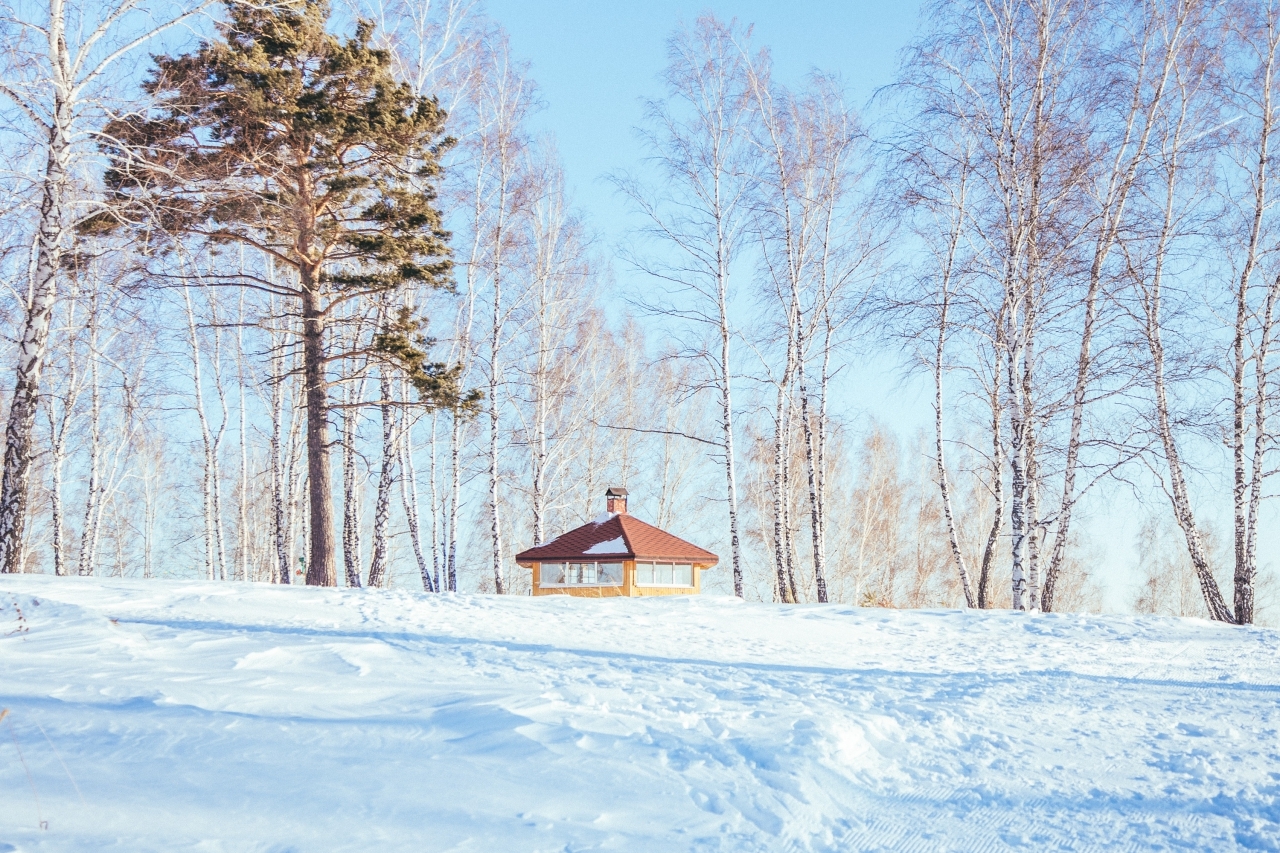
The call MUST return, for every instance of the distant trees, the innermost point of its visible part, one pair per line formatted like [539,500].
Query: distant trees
[1062,216]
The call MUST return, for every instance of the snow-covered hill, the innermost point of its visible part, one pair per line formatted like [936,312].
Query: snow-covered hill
[229,717]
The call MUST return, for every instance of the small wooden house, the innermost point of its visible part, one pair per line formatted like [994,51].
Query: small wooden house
[617,554]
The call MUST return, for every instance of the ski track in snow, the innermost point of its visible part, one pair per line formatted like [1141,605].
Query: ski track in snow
[229,717]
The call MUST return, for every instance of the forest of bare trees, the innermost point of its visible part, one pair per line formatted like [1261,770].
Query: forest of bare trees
[1059,220]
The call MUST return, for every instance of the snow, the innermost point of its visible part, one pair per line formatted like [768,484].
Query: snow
[603,517]
[221,717]
[613,546]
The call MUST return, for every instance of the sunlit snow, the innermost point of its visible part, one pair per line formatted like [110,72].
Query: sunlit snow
[170,716]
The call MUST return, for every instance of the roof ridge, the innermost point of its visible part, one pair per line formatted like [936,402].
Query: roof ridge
[631,549]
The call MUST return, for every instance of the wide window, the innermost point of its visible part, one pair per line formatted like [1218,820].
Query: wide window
[664,574]
[580,574]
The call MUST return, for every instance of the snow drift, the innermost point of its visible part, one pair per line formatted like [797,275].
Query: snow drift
[170,716]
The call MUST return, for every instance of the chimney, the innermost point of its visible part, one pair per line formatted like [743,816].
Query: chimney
[615,500]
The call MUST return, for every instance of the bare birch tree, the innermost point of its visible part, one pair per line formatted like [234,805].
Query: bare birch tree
[696,137]
[58,85]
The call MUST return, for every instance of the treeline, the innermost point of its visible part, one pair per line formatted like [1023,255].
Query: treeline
[307,299]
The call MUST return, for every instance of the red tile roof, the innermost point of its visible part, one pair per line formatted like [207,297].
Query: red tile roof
[640,540]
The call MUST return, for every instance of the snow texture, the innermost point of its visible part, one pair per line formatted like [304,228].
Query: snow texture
[613,546]
[603,517]
[231,717]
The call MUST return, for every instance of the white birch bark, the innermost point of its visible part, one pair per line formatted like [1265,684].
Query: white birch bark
[351,556]
[243,537]
[282,571]
[211,440]
[34,338]
[409,499]
[1247,484]
[60,426]
[386,478]
[953,537]
[87,562]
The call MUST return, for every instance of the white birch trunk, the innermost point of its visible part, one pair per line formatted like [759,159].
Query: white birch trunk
[87,563]
[34,338]
[409,498]
[382,504]
[350,489]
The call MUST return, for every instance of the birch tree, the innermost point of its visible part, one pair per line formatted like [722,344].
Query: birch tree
[63,55]
[697,140]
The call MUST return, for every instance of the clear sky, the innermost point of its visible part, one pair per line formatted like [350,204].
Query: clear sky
[594,61]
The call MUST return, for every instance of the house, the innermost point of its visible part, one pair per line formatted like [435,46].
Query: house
[617,554]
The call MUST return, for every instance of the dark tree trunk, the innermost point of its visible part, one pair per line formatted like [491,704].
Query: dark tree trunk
[321,567]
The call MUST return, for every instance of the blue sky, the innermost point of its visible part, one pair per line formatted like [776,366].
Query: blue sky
[594,62]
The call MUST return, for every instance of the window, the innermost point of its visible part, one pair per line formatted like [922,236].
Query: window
[664,574]
[552,574]
[580,574]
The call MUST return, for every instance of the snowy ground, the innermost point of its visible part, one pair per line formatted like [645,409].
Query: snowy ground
[230,717]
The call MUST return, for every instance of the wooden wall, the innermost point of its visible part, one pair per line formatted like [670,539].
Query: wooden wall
[627,589]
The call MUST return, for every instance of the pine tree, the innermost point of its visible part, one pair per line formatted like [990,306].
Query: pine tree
[284,138]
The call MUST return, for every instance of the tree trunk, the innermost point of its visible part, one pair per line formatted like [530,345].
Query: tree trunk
[811,465]
[59,430]
[779,498]
[350,489]
[1246,517]
[495,511]
[209,493]
[997,485]
[243,536]
[455,499]
[87,564]
[949,515]
[57,455]
[1032,474]
[279,491]
[16,483]
[409,497]
[382,505]
[1018,483]
[436,543]
[321,568]
[1178,493]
